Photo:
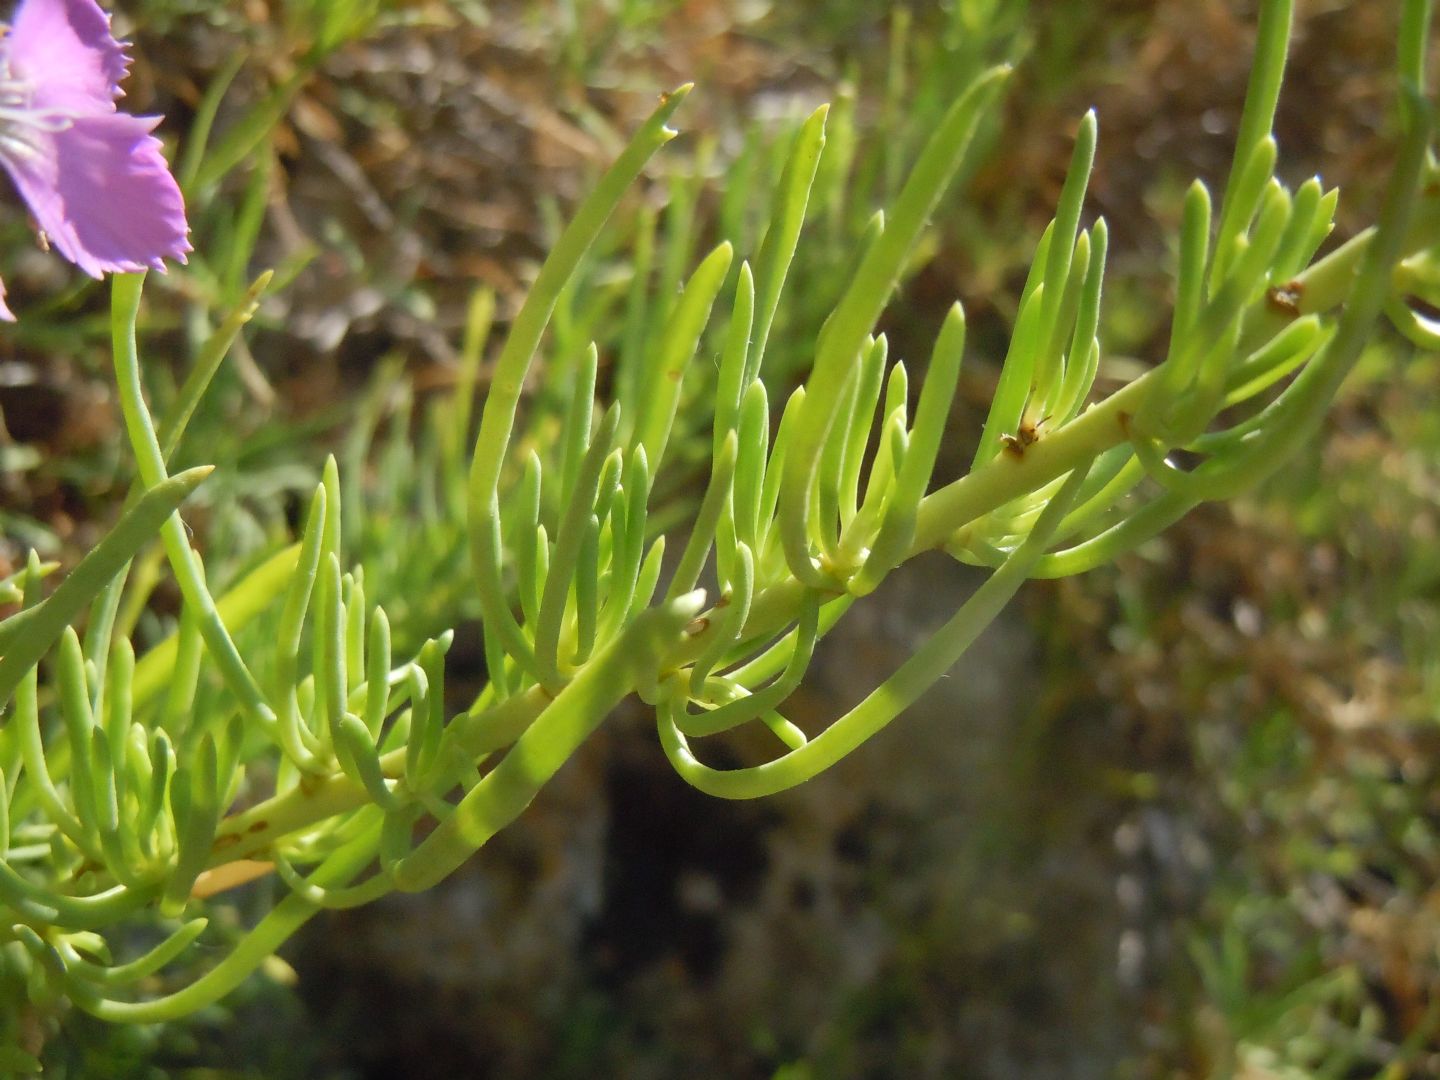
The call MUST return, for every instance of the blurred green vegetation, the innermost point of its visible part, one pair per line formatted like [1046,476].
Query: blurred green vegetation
[1256,692]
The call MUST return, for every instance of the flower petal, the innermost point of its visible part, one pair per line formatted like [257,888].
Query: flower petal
[5,312]
[101,190]
[65,50]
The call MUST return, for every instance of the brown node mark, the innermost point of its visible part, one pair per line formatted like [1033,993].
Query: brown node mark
[1026,436]
[1286,298]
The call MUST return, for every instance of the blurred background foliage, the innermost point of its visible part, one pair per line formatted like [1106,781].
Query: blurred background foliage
[1176,817]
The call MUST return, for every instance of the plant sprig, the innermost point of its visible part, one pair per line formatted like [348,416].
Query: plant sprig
[285,727]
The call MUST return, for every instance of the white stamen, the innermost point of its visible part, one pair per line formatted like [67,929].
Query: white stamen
[20,124]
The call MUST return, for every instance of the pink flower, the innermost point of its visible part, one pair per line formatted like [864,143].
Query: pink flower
[94,178]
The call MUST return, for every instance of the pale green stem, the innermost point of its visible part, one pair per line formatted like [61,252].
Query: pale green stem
[150,461]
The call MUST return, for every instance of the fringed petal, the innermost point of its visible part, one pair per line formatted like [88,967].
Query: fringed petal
[65,51]
[102,192]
